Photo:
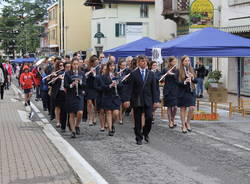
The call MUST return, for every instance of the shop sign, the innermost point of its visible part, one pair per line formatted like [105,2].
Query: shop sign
[201,14]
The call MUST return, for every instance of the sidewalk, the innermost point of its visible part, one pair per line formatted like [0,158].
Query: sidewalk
[26,154]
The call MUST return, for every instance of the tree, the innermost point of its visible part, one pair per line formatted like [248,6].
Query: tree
[19,24]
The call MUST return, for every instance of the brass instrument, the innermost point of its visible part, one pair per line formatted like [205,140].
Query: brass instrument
[53,73]
[77,79]
[163,77]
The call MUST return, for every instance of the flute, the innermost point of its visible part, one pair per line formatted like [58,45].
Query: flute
[163,77]
[87,73]
[118,73]
[53,80]
[52,74]
[126,76]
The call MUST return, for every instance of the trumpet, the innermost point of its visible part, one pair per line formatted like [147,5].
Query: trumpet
[87,73]
[187,73]
[53,73]
[170,70]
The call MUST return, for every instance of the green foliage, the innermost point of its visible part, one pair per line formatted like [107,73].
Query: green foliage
[19,29]
[215,75]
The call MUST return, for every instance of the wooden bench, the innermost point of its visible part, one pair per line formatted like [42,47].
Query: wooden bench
[245,106]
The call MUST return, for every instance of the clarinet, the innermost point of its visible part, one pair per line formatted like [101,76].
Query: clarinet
[188,76]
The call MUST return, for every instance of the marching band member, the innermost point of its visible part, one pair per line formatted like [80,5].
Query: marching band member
[186,92]
[123,71]
[143,95]
[91,92]
[74,82]
[57,91]
[110,98]
[170,90]
[154,68]
[98,86]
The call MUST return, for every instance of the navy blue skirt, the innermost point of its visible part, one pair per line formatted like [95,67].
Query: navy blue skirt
[187,100]
[74,103]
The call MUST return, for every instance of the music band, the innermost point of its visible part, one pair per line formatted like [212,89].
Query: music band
[92,88]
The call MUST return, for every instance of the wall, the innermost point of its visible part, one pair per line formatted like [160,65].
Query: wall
[164,29]
[120,13]
[77,27]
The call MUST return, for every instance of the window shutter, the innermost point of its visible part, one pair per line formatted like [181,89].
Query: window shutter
[117,31]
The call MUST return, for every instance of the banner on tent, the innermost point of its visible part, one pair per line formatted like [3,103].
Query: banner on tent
[156,55]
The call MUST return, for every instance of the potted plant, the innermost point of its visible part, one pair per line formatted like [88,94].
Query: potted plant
[213,77]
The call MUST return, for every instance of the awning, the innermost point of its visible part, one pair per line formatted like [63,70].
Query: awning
[236,29]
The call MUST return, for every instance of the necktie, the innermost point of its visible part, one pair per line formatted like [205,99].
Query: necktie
[143,74]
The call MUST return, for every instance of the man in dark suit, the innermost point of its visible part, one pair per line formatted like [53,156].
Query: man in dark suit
[143,96]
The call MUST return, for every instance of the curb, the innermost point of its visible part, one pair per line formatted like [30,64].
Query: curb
[85,172]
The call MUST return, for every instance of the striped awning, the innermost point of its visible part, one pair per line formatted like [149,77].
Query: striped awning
[236,29]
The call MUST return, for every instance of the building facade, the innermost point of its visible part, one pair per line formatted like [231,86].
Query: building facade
[231,16]
[54,28]
[118,22]
[235,18]
[69,27]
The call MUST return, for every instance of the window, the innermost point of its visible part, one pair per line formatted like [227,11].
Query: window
[237,2]
[120,29]
[144,11]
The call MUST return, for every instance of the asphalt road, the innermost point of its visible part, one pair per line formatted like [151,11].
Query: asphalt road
[214,153]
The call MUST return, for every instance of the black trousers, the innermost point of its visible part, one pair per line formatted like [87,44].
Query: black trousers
[1,91]
[45,100]
[138,121]
[63,114]
[52,108]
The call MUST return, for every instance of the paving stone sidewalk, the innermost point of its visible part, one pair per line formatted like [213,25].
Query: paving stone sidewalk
[26,154]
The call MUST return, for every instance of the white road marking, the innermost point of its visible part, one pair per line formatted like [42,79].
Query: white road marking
[24,116]
[13,100]
[45,120]
[34,107]
[40,115]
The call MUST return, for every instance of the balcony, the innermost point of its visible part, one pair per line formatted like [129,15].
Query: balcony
[175,9]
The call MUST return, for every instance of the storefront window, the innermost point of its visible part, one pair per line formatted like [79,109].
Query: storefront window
[245,75]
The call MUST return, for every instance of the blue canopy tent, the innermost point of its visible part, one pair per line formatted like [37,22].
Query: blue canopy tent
[133,48]
[208,42]
[22,60]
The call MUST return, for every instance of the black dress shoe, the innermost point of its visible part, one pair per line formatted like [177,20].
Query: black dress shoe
[139,142]
[189,129]
[63,130]
[78,131]
[73,135]
[111,133]
[113,128]
[146,138]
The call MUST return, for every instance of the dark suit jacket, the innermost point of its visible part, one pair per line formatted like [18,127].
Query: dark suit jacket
[183,89]
[69,78]
[142,93]
[56,86]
